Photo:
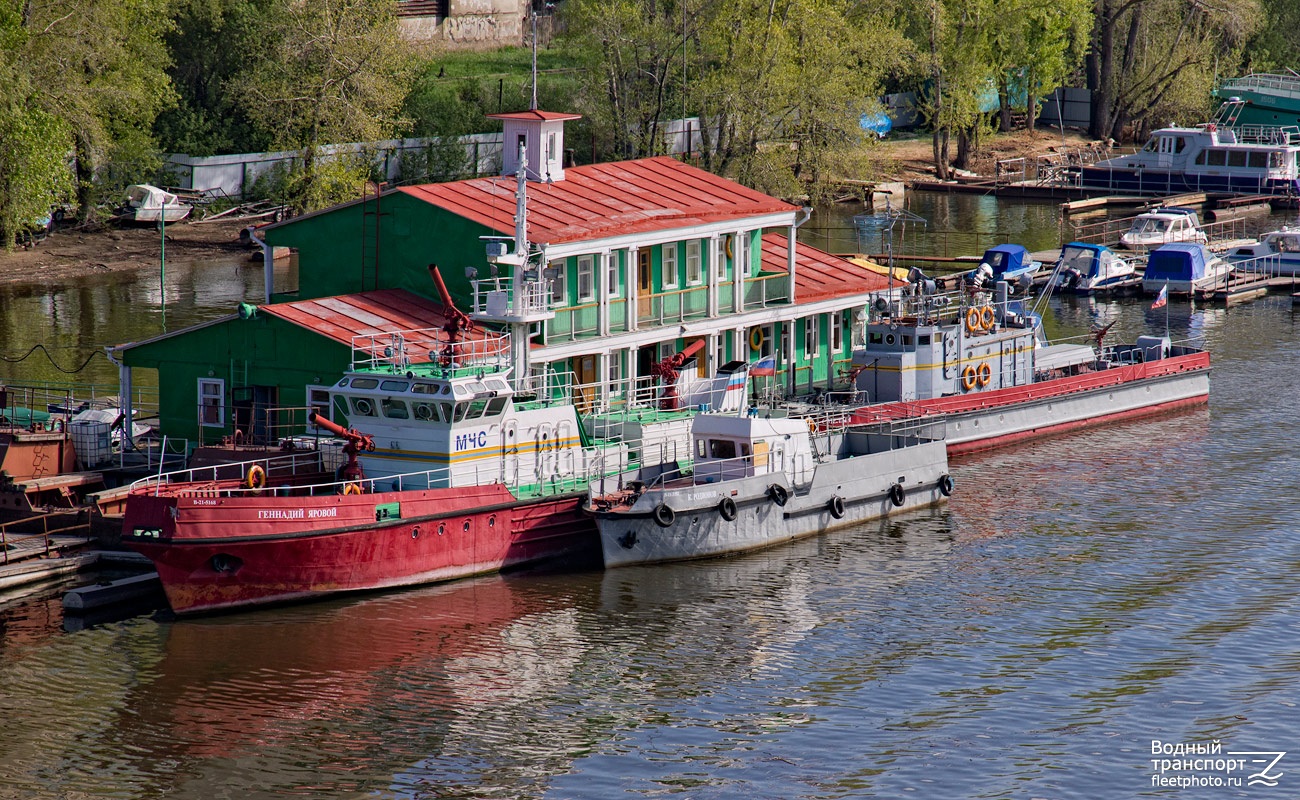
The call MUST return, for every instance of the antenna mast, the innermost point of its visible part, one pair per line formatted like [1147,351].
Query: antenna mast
[532,13]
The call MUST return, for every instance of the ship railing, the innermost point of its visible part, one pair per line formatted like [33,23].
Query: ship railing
[1120,180]
[1284,84]
[23,544]
[1108,232]
[1265,266]
[499,296]
[398,351]
[630,397]
[1267,134]
[273,466]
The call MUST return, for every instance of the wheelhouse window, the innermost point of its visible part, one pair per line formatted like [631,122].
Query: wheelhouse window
[586,279]
[362,406]
[694,269]
[212,402]
[395,409]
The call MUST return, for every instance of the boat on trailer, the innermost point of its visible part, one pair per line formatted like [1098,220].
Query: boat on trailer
[976,370]
[760,479]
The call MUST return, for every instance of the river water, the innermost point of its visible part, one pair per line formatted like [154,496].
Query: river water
[1077,599]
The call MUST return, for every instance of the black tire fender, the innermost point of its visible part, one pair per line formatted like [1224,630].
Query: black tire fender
[945,485]
[727,508]
[664,516]
[778,494]
[897,495]
[836,507]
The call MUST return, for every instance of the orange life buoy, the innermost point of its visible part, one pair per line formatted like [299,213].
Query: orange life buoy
[973,320]
[968,378]
[986,318]
[256,477]
[983,373]
[352,488]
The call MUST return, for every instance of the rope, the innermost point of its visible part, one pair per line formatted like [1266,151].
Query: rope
[41,347]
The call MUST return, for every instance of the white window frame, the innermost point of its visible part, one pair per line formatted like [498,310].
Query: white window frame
[837,332]
[810,337]
[560,285]
[740,264]
[694,269]
[552,145]
[668,265]
[587,274]
[720,259]
[611,275]
[219,384]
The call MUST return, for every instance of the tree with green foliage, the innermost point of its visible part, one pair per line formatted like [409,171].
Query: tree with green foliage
[1158,60]
[97,67]
[210,44]
[1037,45]
[330,72]
[778,87]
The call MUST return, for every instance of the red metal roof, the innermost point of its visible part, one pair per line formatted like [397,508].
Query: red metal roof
[344,317]
[602,200]
[818,275]
[544,116]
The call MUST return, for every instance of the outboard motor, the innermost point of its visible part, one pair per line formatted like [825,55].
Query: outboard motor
[981,277]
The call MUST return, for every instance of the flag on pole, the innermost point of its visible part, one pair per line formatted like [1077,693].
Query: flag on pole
[1162,298]
[764,367]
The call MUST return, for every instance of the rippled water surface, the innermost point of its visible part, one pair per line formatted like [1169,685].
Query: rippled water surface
[1078,598]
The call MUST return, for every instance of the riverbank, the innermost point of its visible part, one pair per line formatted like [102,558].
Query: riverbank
[73,253]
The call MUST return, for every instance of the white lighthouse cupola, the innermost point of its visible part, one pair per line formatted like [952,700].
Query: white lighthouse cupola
[542,134]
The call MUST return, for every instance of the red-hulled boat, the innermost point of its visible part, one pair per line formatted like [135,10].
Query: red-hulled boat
[974,369]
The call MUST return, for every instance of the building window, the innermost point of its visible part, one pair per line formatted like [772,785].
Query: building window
[720,257]
[694,270]
[615,370]
[559,283]
[552,146]
[212,403]
[837,332]
[318,400]
[670,265]
[740,264]
[611,274]
[586,278]
[810,337]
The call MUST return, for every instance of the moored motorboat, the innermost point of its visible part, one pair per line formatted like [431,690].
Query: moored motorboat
[1184,269]
[977,371]
[1275,253]
[1092,268]
[1162,226]
[761,479]
[1214,157]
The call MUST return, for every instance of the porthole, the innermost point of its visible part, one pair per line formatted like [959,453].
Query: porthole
[442,528]
[466,526]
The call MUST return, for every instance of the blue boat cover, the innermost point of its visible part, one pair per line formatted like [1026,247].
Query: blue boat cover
[1181,261]
[1006,258]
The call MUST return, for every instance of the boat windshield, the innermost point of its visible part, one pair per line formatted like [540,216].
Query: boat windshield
[1076,258]
[1150,225]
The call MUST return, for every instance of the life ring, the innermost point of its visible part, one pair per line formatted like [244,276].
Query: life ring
[986,318]
[968,378]
[836,507]
[973,321]
[664,516]
[256,477]
[352,488]
[983,373]
[812,425]
[726,243]
[778,494]
[756,338]
[727,508]
[896,494]
[363,406]
[945,485]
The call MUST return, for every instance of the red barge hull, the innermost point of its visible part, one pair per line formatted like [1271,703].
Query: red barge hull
[219,550]
[984,420]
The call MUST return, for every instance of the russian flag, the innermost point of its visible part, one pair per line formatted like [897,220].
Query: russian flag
[764,367]
[1163,298]
[736,380]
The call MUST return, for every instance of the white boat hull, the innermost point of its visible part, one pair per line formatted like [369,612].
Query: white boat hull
[699,528]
